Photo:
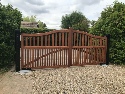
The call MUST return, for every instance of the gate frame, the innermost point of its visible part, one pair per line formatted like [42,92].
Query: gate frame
[18,46]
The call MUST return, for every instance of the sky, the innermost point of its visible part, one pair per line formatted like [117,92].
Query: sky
[51,11]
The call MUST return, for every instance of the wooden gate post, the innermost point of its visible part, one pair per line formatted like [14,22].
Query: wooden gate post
[70,47]
[107,52]
[17,50]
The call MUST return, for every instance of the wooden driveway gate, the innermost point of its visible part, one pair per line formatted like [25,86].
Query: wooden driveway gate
[62,48]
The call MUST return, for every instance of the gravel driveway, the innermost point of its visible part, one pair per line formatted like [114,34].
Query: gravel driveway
[93,79]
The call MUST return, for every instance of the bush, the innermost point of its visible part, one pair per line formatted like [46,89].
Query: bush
[34,30]
[10,19]
[112,21]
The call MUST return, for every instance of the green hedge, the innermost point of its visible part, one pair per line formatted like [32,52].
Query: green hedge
[10,19]
[34,30]
[112,21]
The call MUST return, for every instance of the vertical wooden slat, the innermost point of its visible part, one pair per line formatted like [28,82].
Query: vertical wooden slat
[27,56]
[43,57]
[66,39]
[82,39]
[85,40]
[49,57]
[56,56]
[90,41]
[63,39]
[40,56]
[53,40]
[45,40]
[22,51]
[74,39]
[33,57]
[49,40]
[60,57]
[26,41]
[30,42]
[95,56]
[41,40]
[60,39]
[54,59]
[77,39]
[70,47]
[83,56]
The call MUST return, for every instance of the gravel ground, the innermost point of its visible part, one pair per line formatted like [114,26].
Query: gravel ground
[93,79]
[80,80]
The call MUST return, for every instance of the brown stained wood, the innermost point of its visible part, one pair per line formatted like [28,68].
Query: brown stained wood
[46,40]
[45,58]
[38,56]
[42,58]
[90,55]
[64,56]
[38,44]
[53,52]
[26,41]
[67,56]
[85,40]
[70,47]
[77,44]
[60,57]
[54,59]
[73,56]
[66,39]
[27,56]
[90,41]
[62,60]
[41,40]
[104,54]
[32,58]
[50,47]
[43,34]
[77,57]
[80,39]
[30,41]
[62,39]
[56,66]
[49,58]
[56,39]
[53,40]
[49,40]
[83,57]
[97,55]
[33,41]
[93,50]
[57,57]
[22,52]
[75,39]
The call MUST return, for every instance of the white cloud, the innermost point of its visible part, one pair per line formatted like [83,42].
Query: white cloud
[51,11]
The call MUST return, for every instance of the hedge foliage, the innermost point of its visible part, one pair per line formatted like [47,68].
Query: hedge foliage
[34,30]
[10,19]
[112,21]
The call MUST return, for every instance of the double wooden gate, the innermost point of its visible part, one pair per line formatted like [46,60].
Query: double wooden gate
[62,48]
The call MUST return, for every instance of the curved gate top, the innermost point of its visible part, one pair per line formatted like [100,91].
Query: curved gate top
[62,48]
